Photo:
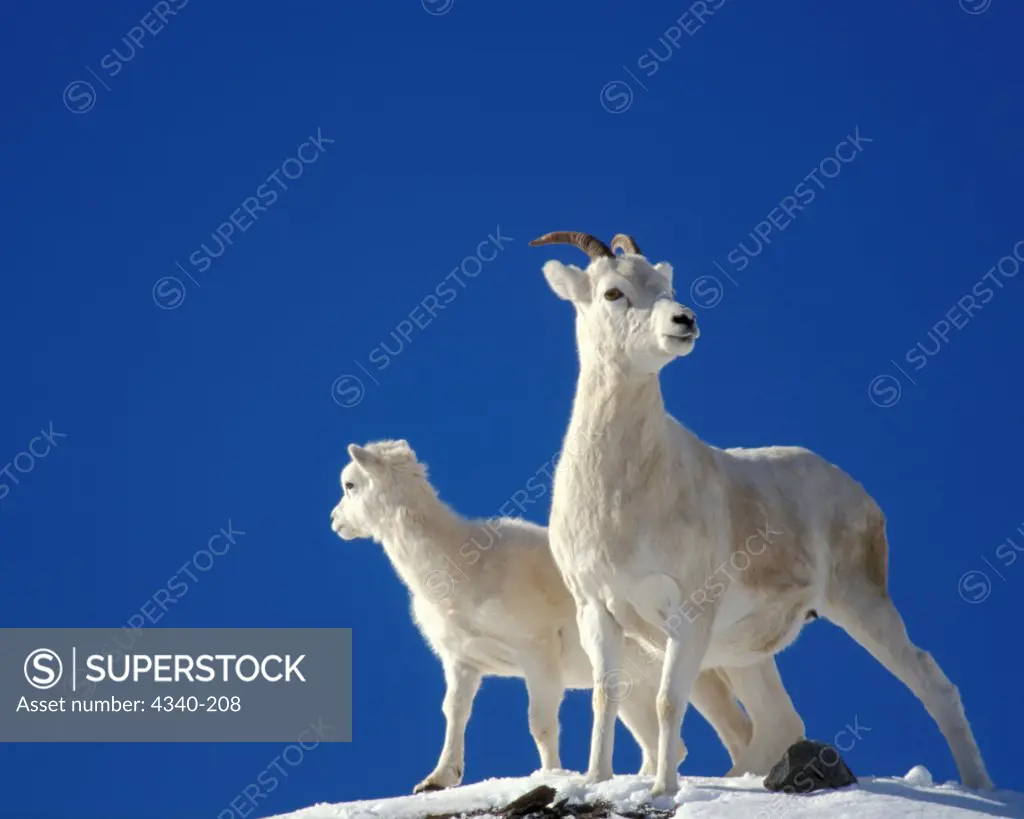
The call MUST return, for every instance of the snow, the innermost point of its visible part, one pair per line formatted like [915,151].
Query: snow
[920,777]
[914,795]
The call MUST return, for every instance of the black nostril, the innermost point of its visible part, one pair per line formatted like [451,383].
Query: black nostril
[683,318]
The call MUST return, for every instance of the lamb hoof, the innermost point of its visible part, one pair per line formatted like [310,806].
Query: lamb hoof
[449,776]
[437,782]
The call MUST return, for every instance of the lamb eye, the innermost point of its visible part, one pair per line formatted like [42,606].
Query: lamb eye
[613,295]
[349,485]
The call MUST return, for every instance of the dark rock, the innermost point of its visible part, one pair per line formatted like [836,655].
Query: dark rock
[596,810]
[531,802]
[539,804]
[809,766]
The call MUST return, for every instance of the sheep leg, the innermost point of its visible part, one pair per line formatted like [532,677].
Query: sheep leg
[868,615]
[637,712]
[603,640]
[712,696]
[637,692]
[776,723]
[544,688]
[462,684]
[682,665]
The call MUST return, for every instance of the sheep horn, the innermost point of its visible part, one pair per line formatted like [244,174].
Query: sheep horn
[626,243]
[591,245]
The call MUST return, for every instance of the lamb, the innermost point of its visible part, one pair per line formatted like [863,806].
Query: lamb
[646,515]
[489,600]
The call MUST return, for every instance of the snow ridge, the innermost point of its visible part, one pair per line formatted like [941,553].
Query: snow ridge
[699,797]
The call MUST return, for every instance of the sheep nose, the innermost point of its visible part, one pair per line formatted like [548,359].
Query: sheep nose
[685,318]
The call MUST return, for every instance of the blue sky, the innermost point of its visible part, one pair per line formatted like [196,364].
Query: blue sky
[377,147]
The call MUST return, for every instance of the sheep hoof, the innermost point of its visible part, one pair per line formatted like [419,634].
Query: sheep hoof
[436,782]
[449,776]
[593,777]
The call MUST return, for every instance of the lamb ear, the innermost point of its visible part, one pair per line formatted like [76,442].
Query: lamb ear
[365,458]
[665,269]
[567,280]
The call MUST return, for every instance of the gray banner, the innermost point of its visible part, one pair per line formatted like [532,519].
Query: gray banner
[175,684]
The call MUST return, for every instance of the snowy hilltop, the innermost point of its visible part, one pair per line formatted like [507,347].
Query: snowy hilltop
[914,795]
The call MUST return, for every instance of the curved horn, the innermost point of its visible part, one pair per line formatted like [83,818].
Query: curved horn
[591,245]
[626,243]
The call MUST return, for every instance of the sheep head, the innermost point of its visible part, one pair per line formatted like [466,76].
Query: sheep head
[626,312]
[381,478]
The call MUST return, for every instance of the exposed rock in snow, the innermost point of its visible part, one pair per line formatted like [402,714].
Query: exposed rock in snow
[809,766]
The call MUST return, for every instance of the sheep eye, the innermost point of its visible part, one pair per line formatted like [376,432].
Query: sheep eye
[349,485]
[613,295]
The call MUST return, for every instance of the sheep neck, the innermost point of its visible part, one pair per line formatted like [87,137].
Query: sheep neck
[615,407]
[421,538]
[620,438]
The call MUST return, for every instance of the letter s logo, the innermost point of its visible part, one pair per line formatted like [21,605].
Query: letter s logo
[43,668]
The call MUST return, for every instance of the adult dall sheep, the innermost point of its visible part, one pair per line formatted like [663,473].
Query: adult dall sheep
[644,513]
[489,600]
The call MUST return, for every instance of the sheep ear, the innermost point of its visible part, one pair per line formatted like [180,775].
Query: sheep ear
[567,280]
[365,458]
[665,269]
